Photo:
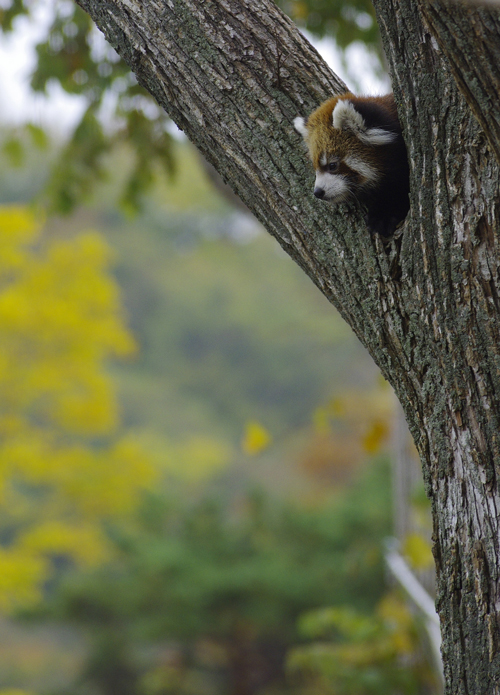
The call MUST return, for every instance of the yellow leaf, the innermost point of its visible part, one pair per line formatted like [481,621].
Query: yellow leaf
[256,439]
[321,421]
[375,437]
[300,10]
[418,550]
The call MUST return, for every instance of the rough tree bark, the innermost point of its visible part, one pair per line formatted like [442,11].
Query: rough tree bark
[233,74]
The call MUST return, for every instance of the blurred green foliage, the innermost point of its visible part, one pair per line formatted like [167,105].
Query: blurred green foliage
[359,653]
[75,55]
[213,587]
[116,110]
[248,335]
[346,22]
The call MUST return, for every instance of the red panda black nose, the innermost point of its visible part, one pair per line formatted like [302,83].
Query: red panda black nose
[319,192]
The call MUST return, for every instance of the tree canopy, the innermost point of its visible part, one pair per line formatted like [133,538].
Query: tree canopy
[64,465]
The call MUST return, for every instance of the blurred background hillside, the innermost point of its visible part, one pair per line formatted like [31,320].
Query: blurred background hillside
[195,451]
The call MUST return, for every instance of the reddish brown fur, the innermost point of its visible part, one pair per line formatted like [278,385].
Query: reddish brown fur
[324,138]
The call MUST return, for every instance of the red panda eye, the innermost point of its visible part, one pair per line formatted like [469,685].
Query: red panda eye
[333,166]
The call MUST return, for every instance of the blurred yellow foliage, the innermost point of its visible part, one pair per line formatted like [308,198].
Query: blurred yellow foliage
[21,574]
[376,436]
[299,10]
[255,439]
[418,551]
[358,410]
[395,614]
[346,429]
[60,320]
[82,543]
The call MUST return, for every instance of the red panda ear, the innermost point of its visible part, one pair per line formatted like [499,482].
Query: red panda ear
[345,116]
[300,126]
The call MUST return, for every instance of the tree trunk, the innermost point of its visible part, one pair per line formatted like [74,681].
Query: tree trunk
[233,74]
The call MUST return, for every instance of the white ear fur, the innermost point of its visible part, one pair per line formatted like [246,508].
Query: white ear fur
[345,117]
[300,126]
[377,136]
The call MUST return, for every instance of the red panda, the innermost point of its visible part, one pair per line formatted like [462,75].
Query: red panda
[357,150]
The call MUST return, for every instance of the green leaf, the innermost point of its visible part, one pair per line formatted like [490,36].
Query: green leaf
[13,148]
[38,136]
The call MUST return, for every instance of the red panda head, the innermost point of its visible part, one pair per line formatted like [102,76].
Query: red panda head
[347,152]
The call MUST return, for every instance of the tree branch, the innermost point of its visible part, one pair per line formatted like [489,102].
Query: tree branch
[233,74]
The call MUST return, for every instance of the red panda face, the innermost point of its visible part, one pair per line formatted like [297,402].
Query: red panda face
[345,152]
